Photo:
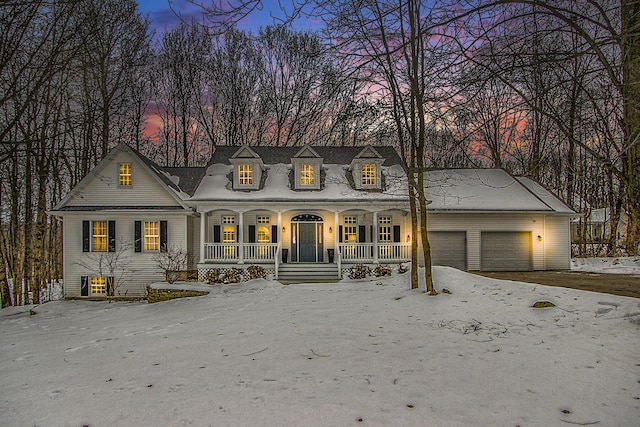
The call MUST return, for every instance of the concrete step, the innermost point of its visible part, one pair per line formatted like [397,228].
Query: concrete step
[307,273]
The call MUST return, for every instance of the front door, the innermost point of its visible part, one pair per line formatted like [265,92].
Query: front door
[307,239]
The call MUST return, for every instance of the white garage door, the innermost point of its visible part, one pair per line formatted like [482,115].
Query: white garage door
[505,251]
[449,248]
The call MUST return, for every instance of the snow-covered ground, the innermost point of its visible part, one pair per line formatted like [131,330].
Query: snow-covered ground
[612,265]
[370,353]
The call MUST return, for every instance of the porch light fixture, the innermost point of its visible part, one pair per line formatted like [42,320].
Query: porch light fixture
[539,238]
[283,229]
[330,230]
[408,238]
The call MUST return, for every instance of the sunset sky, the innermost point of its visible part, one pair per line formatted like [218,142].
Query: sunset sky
[163,14]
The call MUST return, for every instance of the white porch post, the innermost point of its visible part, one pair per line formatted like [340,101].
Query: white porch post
[336,231]
[279,232]
[374,238]
[241,238]
[203,233]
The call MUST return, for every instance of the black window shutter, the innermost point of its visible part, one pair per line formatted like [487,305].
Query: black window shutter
[112,236]
[163,236]
[362,233]
[216,234]
[109,285]
[137,235]
[237,233]
[340,234]
[371,227]
[252,233]
[396,233]
[274,234]
[86,236]
[84,286]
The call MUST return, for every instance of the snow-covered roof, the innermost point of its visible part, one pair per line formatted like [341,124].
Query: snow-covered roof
[329,154]
[487,190]
[215,185]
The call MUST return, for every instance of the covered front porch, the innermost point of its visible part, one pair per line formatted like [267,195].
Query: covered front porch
[271,238]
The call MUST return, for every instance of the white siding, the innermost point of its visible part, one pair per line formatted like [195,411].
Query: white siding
[103,188]
[193,245]
[141,269]
[474,224]
[555,239]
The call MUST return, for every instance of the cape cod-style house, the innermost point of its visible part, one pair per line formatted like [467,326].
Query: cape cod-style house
[302,213]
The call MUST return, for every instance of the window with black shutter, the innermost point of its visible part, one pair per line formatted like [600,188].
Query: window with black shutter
[163,236]
[84,286]
[137,227]
[112,236]
[86,236]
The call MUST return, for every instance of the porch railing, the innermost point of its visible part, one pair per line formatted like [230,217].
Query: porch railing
[221,252]
[260,252]
[229,252]
[394,252]
[364,252]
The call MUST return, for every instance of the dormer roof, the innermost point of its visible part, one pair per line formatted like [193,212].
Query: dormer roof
[307,152]
[245,152]
[368,152]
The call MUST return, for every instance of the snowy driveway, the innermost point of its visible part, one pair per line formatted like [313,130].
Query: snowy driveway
[627,285]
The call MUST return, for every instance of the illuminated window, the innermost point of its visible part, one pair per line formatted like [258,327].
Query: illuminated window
[99,236]
[264,229]
[151,236]
[229,235]
[384,229]
[228,230]
[368,174]
[350,228]
[98,285]
[307,175]
[125,178]
[245,174]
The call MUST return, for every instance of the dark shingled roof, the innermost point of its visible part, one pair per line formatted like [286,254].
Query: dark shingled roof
[189,177]
[330,155]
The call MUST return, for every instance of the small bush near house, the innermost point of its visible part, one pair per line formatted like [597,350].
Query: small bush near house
[256,272]
[382,270]
[232,276]
[359,271]
[214,276]
[402,269]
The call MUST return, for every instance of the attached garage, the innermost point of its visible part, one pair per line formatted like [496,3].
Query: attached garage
[505,251]
[449,248]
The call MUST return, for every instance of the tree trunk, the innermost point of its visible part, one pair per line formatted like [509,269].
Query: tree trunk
[631,116]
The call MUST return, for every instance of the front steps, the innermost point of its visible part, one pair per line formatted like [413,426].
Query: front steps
[308,273]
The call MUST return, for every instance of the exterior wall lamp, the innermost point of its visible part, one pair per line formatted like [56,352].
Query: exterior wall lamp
[539,238]
[330,230]
[283,229]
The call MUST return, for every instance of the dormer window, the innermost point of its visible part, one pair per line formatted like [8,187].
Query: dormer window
[369,175]
[307,166]
[366,168]
[124,175]
[247,169]
[245,174]
[307,175]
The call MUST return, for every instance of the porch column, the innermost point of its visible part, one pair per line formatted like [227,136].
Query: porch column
[203,232]
[336,233]
[374,238]
[279,232]
[241,238]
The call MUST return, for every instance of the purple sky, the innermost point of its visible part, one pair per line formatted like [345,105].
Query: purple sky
[163,18]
